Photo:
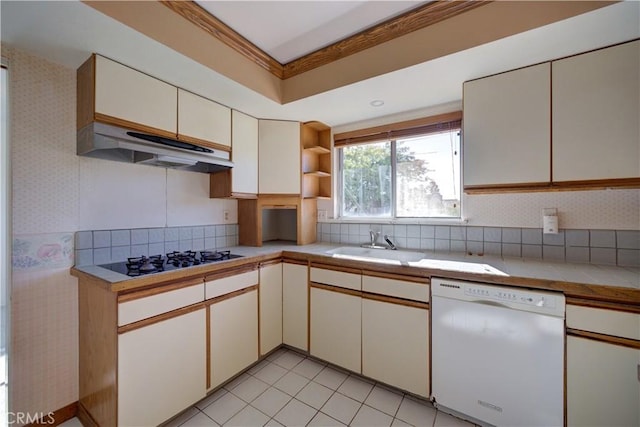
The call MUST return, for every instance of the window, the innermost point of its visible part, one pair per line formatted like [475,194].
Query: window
[413,173]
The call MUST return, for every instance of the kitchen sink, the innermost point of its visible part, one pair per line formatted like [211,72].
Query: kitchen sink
[385,256]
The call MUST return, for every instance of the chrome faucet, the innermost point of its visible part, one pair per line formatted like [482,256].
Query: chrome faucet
[374,237]
[389,242]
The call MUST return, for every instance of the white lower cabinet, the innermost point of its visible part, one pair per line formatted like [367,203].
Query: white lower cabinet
[336,325]
[295,302]
[603,384]
[233,335]
[395,345]
[270,307]
[154,381]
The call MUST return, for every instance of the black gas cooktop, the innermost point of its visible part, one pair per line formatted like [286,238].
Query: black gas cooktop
[172,261]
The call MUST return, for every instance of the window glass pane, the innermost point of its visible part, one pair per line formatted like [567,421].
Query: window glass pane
[366,180]
[428,176]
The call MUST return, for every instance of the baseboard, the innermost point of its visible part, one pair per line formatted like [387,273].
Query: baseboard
[85,417]
[58,416]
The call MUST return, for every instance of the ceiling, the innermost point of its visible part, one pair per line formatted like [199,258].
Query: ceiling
[287,30]
[67,32]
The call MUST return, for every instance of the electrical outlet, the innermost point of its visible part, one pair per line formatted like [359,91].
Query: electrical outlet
[322,215]
[226,216]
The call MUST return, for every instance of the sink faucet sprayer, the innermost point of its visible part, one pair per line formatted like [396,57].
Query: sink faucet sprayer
[374,237]
[391,245]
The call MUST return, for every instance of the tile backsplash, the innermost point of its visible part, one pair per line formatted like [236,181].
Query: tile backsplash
[608,247]
[106,246]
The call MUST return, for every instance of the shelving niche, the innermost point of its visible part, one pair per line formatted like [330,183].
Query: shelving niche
[316,160]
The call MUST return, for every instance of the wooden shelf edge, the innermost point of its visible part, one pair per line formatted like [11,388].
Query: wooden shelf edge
[320,174]
[596,184]
[318,150]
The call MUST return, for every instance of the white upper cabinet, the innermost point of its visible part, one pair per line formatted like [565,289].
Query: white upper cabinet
[596,106]
[203,120]
[245,153]
[507,129]
[279,157]
[124,93]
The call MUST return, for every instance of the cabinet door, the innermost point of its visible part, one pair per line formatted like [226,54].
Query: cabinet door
[124,93]
[203,119]
[279,157]
[244,154]
[295,300]
[506,138]
[234,336]
[270,307]
[161,369]
[336,331]
[596,105]
[395,345]
[603,388]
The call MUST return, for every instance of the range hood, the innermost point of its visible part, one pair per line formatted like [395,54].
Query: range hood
[110,142]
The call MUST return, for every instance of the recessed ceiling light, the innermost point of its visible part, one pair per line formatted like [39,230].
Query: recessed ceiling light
[377,103]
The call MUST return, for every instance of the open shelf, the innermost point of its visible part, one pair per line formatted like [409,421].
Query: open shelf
[316,160]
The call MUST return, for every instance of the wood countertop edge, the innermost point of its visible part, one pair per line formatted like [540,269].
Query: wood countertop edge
[606,293]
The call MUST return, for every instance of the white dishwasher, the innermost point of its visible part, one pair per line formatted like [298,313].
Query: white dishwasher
[497,353]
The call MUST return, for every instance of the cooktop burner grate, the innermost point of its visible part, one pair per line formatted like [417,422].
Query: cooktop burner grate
[142,265]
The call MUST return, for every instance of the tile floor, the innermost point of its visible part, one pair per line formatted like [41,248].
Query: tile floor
[290,389]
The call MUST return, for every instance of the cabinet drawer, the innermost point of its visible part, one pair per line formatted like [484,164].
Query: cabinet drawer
[396,288]
[217,287]
[336,278]
[609,322]
[143,308]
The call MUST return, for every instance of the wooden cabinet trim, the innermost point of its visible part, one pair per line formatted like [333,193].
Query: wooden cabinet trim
[394,300]
[624,342]
[602,304]
[335,289]
[232,271]
[414,279]
[270,262]
[231,295]
[336,268]
[203,143]
[110,120]
[295,261]
[143,293]
[208,344]
[85,92]
[159,318]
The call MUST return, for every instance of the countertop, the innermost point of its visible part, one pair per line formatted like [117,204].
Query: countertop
[569,277]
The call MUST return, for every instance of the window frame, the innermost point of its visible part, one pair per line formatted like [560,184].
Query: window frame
[392,133]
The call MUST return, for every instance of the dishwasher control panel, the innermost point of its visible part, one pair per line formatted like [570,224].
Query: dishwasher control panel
[552,303]
[510,295]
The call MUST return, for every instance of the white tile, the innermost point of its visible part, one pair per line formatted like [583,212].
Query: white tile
[330,377]
[399,423]
[73,422]
[295,413]
[211,398]
[314,394]
[416,413]
[200,420]
[224,408]
[355,388]
[270,373]
[384,400]
[248,417]
[273,423]
[271,401]
[236,382]
[369,417]
[446,420]
[324,420]
[340,407]
[249,389]
[255,368]
[279,352]
[288,360]
[308,368]
[291,383]
[175,422]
